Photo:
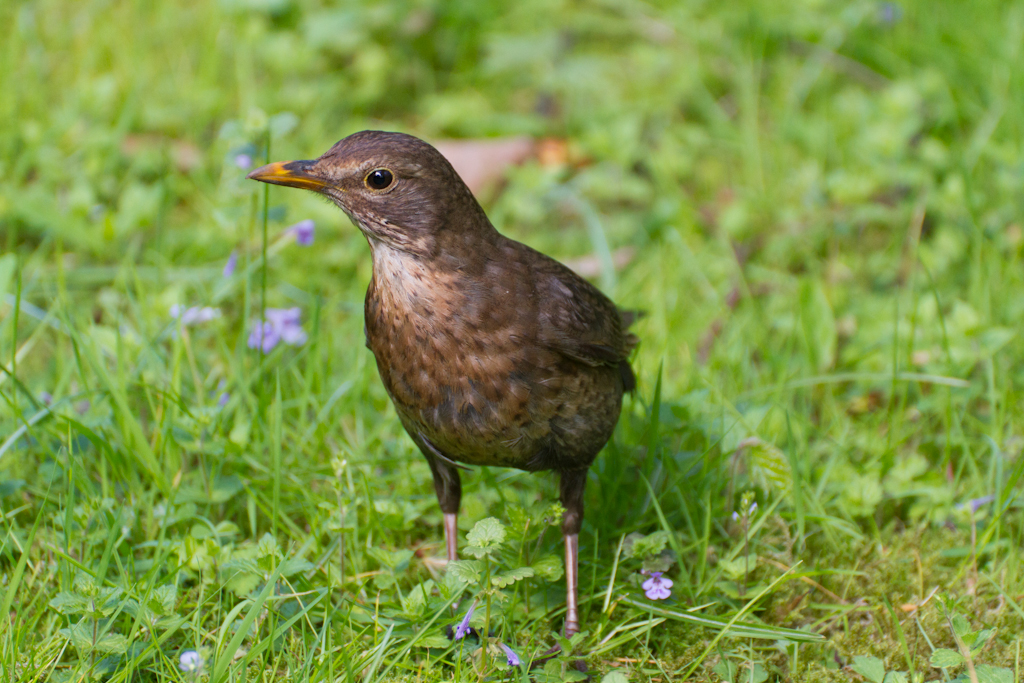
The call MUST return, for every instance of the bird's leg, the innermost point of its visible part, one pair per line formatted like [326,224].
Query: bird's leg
[451,535]
[449,494]
[572,610]
[572,500]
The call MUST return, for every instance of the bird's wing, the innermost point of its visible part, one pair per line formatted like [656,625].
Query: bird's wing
[578,321]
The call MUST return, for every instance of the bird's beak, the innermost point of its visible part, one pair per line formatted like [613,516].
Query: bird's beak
[291,174]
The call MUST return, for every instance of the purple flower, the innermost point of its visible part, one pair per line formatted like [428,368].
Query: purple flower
[194,314]
[303,231]
[232,263]
[288,325]
[46,397]
[890,12]
[280,325]
[190,661]
[223,400]
[513,658]
[657,587]
[463,628]
[243,161]
[976,503]
[263,336]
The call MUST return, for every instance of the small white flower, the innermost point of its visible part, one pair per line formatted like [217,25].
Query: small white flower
[190,661]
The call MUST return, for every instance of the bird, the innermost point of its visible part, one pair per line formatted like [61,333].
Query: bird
[492,353]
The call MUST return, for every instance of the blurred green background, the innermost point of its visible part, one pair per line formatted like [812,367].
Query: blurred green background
[818,204]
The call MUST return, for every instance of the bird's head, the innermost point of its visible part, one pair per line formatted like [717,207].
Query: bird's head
[399,190]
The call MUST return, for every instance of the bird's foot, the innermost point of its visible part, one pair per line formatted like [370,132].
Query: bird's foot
[572,627]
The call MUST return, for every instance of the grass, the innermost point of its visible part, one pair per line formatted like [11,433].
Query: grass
[824,203]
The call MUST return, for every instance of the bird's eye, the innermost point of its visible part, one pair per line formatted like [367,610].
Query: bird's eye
[380,179]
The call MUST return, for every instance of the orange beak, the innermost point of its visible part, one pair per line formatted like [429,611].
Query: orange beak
[290,174]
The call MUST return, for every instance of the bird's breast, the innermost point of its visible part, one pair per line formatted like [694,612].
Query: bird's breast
[462,356]
[457,360]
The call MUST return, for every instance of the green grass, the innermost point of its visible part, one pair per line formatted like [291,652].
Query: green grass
[826,204]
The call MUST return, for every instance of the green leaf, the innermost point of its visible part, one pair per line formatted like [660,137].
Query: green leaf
[993,674]
[549,567]
[224,489]
[70,603]
[509,577]
[133,608]
[615,677]
[165,596]
[295,565]
[518,518]
[467,571]
[895,677]
[242,584]
[944,658]
[553,669]
[726,670]
[637,546]
[433,641]
[753,673]
[241,565]
[84,584]
[267,546]
[769,465]
[80,637]
[108,600]
[112,643]
[740,567]
[961,626]
[487,533]
[414,603]
[82,634]
[980,638]
[869,667]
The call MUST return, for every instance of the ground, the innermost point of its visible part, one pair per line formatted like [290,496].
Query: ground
[818,205]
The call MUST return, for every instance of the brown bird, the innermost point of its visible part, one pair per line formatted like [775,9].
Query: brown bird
[493,353]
